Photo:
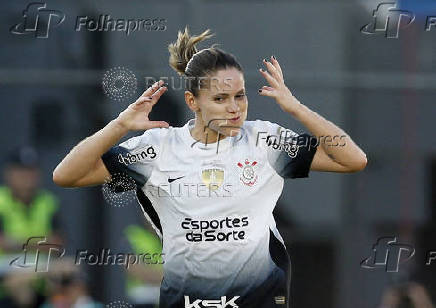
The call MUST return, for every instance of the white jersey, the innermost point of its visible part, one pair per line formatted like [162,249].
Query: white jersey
[212,206]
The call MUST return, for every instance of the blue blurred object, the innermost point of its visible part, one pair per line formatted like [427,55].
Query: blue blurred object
[421,8]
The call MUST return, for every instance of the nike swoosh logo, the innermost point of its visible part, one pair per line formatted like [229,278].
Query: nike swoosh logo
[172,180]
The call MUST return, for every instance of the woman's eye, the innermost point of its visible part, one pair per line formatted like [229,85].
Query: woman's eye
[218,99]
[240,95]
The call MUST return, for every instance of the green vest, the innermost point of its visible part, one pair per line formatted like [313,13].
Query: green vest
[143,241]
[20,221]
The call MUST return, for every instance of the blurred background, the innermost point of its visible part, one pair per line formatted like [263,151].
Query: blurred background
[376,82]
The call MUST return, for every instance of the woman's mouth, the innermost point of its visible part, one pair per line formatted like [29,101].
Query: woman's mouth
[235,119]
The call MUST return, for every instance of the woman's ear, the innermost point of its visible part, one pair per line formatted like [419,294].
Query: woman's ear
[191,101]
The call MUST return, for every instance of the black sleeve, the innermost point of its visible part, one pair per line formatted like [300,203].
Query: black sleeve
[118,167]
[295,156]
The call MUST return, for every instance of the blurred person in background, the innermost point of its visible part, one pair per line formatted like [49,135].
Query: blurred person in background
[143,280]
[26,210]
[408,295]
[66,285]
[23,290]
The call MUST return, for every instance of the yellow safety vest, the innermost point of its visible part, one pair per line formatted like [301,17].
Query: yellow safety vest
[22,221]
[143,241]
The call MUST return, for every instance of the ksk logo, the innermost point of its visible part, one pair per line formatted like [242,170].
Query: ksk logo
[217,303]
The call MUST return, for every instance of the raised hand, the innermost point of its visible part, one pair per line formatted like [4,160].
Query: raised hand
[277,88]
[135,117]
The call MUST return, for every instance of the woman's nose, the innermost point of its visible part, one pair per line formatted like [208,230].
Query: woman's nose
[233,106]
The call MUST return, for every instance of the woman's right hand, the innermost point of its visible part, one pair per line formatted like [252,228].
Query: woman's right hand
[135,117]
[83,166]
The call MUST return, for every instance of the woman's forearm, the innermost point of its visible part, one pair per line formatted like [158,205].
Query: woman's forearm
[84,156]
[347,153]
[346,158]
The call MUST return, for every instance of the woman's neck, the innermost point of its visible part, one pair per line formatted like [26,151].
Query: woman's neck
[205,134]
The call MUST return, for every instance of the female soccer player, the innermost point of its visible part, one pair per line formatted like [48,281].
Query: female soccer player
[213,183]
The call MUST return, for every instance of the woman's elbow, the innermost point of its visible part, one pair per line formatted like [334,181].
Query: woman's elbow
[359,165]
[60,179]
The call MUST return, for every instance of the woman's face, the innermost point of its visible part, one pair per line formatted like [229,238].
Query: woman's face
[222,105]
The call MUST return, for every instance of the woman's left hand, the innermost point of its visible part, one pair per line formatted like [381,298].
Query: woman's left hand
[277,89]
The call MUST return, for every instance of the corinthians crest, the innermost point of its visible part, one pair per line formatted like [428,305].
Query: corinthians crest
[212,174]
[248,175]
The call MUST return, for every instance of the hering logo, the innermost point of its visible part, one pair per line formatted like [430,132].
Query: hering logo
[217,303]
